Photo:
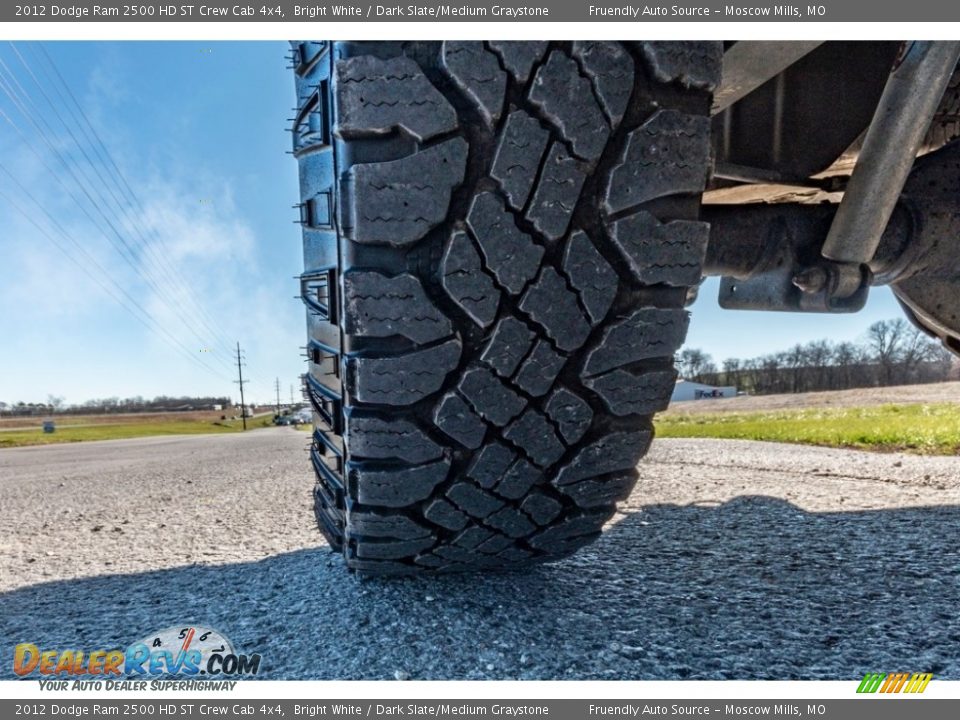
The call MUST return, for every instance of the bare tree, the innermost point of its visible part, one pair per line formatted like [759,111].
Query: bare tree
[731,371]
[819,358]
[885,338]
[695,363]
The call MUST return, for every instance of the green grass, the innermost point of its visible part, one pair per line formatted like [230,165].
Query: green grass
[124,430]
[924,429]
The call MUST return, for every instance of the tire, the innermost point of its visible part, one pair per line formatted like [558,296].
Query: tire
[498,242]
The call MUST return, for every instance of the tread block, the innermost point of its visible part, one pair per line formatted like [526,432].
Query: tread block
[398,202]
[455,554]
[557,193]
[611,69]
[592,277]
[402,379]
[625,393]
[645,333]
[471,537]
[540,369]
[571,413]
[490,464]
[511,522]
[536,436]
[380,567]
[393,549]
[518,479]
[493,545]
[378,439]
[430,561]
[444,514]
[565,96]
[511,254]
[518,155]
[598,492]
[519,57]
[515,556]
[667,155]
[456,419]
[692,64]
[570,534]
[466,282]
[377,305]
[611,453]
[400,527]
[669,253]
[541,508]
[552,306]
[490,397]
[377,96]
[398,487]
[472,500]
[508,345]
[476,70]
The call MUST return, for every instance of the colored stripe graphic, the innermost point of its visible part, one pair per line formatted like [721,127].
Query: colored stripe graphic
[918,683]
[894,682]
[870,683]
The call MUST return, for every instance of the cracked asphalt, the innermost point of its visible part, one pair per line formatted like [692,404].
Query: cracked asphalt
[731,560]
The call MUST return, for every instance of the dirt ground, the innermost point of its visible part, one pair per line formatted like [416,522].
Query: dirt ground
[948,392]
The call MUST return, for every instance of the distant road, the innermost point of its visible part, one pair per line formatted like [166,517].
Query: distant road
[731,560]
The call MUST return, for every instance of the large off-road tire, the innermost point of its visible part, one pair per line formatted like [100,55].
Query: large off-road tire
[498,242]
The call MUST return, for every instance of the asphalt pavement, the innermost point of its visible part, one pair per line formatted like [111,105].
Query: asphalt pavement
[731,560]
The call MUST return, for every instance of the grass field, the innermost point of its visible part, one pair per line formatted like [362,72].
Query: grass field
[118,427]
[924,428]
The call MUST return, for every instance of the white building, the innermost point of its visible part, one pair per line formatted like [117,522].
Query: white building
[689,390]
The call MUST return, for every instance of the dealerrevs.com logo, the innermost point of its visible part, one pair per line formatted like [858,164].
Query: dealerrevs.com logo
[191,651]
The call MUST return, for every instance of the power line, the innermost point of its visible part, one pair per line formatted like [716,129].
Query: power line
[83,251]
[125,189]
[130,257]
[147,321]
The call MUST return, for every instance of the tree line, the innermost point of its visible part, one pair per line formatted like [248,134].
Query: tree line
[56,406]
[893,352]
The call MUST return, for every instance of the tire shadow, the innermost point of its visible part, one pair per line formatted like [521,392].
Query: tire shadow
[754,588]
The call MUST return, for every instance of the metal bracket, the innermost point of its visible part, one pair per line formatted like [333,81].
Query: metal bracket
[769,257]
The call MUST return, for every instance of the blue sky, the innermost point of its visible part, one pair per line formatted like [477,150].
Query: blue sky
[198,131]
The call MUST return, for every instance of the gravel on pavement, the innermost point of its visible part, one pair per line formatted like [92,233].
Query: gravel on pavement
[732,559]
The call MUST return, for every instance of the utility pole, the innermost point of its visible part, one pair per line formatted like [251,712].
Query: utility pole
[243,405]
[276,385]
[291,395]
